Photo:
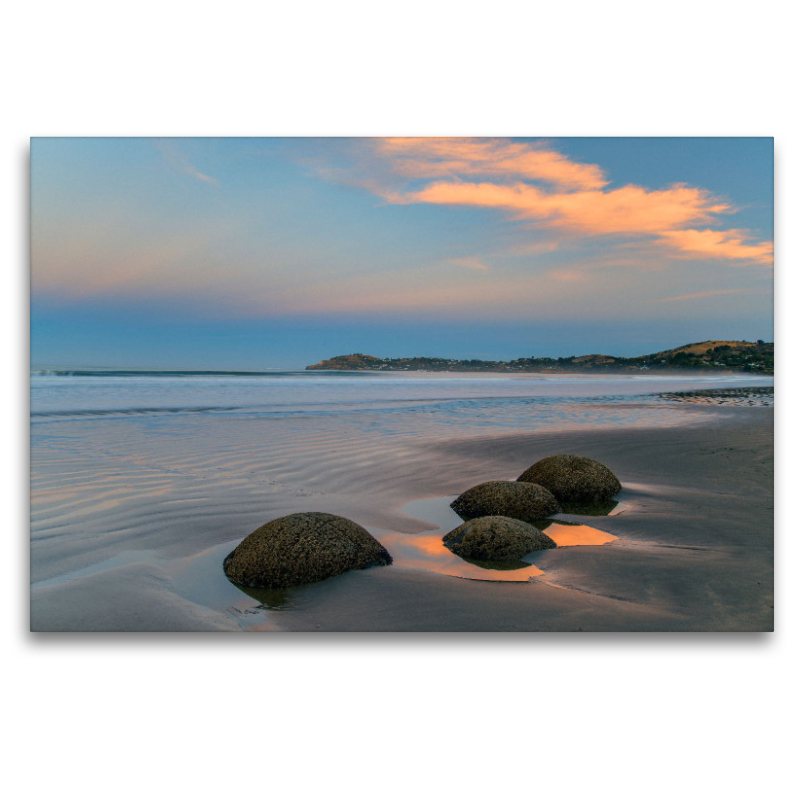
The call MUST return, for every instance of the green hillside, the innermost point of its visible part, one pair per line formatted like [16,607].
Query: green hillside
[715,355]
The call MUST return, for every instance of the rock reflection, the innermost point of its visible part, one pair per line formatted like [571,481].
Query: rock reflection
[271,599]
[602,508]
[501,565]
[425,551]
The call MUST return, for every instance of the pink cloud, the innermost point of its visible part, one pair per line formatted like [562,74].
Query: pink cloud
[724,244]
[628,210]
[538,185]
[437,157]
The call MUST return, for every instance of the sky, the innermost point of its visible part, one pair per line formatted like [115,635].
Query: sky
[275,253]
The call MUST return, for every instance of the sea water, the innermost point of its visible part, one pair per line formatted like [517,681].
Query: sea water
[495,399]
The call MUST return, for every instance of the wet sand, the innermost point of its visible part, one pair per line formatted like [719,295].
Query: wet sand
[694,546]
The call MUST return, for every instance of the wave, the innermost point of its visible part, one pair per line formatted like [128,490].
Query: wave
[449,411]
[415,376]
[159,373]
[104,412]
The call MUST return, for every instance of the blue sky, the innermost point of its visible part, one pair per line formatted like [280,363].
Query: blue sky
[276,253]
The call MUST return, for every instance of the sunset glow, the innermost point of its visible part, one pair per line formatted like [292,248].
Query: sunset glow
[279,252]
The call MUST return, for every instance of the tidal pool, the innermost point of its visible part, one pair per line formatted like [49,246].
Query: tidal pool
[427,550]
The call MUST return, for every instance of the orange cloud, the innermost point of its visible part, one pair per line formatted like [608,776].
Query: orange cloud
[437,157]
[539,185]
[628,210]
[722,244]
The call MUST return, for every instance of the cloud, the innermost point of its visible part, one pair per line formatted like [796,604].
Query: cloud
[469,263]
[712,293]
[437,157]
[725,244]
[628,210]
[179,161]
[538,186]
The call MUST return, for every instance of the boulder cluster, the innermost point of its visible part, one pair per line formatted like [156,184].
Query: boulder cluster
[500,525]
[502,516]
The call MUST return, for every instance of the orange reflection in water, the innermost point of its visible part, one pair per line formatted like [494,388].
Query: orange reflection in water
[571,535]
[428,552]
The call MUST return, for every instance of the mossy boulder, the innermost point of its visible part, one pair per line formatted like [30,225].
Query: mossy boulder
[303,548]
[523,501]
[496,539]
[573,479]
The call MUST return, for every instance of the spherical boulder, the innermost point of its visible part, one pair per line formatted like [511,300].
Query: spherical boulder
[496,539]
[523,501]
[303,548]
[573,479]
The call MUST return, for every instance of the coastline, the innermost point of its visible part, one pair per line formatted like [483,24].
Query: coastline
[694,548]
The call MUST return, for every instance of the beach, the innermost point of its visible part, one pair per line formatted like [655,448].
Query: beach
[134,507]
[694,551]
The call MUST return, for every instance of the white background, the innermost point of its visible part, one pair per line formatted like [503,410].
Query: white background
[623,716]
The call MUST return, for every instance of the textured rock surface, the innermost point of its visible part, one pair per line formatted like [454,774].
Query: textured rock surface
[303,548]
[523,501]
[496,539]
[573,479]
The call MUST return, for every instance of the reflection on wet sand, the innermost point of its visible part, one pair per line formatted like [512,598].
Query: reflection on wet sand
[427,551]
[602,508]
[273,599]
[200,578]
[570,534]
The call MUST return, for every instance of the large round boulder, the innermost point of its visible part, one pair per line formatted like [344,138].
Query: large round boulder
[523,501]
[573,479]
[496,539]
[303,548]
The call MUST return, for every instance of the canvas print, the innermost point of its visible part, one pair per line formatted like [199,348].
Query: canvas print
[401,384]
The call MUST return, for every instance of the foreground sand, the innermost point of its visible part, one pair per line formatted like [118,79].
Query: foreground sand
[694,553]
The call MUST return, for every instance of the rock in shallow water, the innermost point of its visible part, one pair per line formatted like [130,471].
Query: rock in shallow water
[573,479]
[303,548]
[524,501]
[496,539]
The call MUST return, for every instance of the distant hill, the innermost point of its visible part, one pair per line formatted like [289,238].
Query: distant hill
[703,347]
[716,355]
[354,361]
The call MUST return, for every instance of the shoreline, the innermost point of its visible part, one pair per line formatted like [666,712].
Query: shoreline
[694,548]
[619,372]
[675,372]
